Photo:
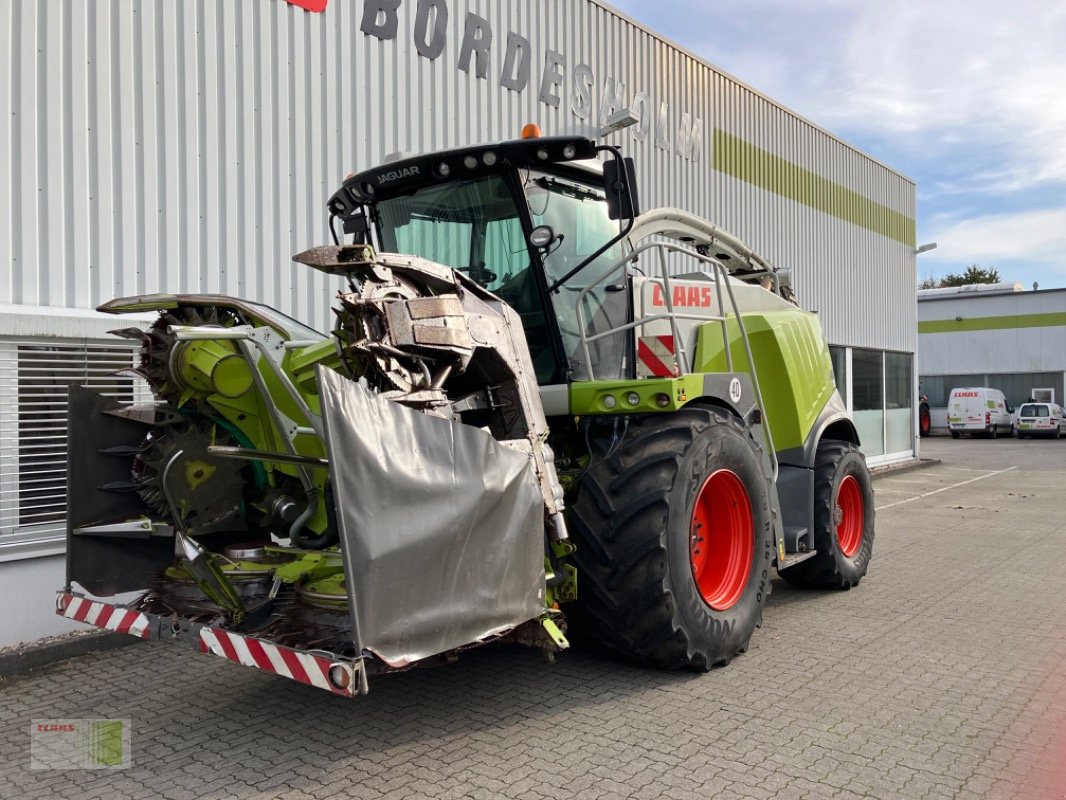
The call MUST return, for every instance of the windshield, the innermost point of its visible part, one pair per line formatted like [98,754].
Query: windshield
[475,227]
[577,215]
[472,226]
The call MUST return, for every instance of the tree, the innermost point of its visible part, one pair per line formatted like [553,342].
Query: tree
[974,273]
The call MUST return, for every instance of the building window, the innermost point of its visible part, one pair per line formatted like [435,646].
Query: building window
[34,379]
[867,380]
[899,402]
[898,385]
[868,399]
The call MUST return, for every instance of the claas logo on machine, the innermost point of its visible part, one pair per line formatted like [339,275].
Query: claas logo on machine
[683,296]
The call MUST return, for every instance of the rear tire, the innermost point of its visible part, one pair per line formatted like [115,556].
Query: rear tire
[843,520]
[955,434]
[675,540]
[925,421]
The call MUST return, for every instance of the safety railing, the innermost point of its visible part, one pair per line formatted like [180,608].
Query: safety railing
[663,249]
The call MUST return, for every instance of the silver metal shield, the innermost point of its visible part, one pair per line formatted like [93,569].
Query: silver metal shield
[441,527]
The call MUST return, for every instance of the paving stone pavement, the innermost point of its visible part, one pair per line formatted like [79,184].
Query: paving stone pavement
[939,677]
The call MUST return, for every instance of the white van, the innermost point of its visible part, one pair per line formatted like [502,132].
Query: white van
[978,409]
[1040,419]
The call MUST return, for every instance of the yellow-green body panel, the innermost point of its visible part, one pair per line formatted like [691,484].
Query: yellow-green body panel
[793,367]
[248,414]
[654,395]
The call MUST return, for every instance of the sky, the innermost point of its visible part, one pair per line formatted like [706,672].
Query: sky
[965,97]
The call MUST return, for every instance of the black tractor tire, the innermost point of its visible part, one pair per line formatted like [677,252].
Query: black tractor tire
[843,555]
[925,420]
[633,522]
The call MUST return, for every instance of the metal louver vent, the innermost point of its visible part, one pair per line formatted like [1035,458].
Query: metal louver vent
[34,379]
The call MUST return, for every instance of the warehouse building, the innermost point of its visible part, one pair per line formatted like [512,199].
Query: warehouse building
[997,336]
[190,147]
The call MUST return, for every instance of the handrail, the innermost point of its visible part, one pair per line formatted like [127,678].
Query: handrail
[721,277]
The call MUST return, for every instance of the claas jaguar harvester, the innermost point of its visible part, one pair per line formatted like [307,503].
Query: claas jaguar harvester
[541,413]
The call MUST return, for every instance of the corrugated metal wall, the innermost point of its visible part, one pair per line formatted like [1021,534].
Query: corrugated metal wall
[165,146]
[1019,332]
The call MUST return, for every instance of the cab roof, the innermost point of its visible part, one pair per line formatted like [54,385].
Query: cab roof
[407,174]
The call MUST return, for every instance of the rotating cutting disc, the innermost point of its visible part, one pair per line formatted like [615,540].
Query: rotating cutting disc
[206,492]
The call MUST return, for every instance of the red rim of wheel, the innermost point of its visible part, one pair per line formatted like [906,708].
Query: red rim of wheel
[722,540]
[924,421]
[849,516]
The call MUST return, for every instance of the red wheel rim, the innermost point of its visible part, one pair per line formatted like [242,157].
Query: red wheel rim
[924,422]
[722,540]
[849,516]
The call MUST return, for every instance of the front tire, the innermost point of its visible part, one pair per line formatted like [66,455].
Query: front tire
[843,520]
[675,540]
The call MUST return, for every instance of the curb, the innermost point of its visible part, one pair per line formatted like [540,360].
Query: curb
[903,466]
[23,658]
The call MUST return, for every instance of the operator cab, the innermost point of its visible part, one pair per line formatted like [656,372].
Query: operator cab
[525,219]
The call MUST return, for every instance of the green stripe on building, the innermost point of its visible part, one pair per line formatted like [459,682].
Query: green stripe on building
[743,160]
[1052,319]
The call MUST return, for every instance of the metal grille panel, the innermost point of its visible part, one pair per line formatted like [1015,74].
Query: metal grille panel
[34,378]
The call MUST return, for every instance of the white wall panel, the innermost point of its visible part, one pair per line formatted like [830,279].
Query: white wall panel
[190,145]
[1008,347]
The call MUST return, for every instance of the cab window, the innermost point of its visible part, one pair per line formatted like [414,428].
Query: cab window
[474,226]
[577,215]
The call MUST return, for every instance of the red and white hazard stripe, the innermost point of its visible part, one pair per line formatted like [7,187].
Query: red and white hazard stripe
[302,667]
[308,668]
[102,615]
[655,357]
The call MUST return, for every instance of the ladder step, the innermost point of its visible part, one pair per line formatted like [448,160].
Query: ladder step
[793,559]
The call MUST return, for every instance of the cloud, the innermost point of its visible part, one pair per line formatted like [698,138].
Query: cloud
[979,82]
[1031,244]
[968,97]
[966,78]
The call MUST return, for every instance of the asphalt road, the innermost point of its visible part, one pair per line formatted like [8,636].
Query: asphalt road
[939,677]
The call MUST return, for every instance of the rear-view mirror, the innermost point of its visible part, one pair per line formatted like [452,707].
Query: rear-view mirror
[621,189]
